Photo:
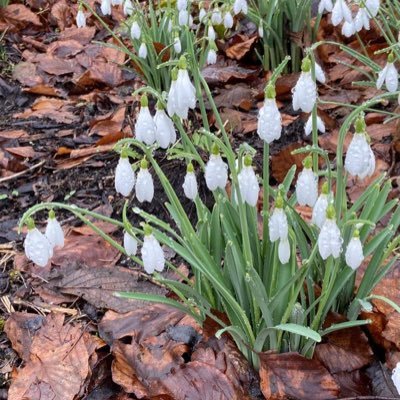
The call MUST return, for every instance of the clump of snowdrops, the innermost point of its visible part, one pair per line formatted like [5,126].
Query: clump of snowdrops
[277,284]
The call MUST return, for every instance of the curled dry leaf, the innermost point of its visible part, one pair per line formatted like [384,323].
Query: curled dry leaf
[240,47]
[58,364]
[290,375]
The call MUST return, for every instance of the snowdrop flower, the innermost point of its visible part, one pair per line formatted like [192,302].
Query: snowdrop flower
[182,5]
[320,207]
[240,6]
[319,73]
[144,183]
[307,185]
[202,14]
[37,247]
[305,91]
[165,129]
[340,12]
[278,229]
[105,7]
[396,377]
[261,29]
[130,244]
[145,128]
[128,7]
[360,159]
[54,232]
[362,19]
[308,125]
[116,2]
[136,32]
[152,253]
[216,17]
[124,176]
[211,33]
[354,252]
[228,20]
[182,93]
[325,5]
[211,56]
[389,75]
[177,45]
[190,187]
[372,6]
[143,51]
[248,183]
[329,239]
[269,125]
[216,172]
[183,18]
[80,18]
[348,29]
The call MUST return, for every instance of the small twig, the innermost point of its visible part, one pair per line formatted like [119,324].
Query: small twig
[18,174]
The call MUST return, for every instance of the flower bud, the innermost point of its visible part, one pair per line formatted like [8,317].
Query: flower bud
[240,6]
[305,91]
[354,252]
[329,239]
[144,184]
[152,254]
[145,128]
[360,159]
[54,232]
[248,185]
[130,244]
[190,187]
[165,129]
[105,7]
[228,20]
[128,7]
[325,5]
[124,176]
[307,185]
[136,32]
[37,247]
[340,12]
[216,172]
[211,56]
[80,18]
[142,53]
[269,126]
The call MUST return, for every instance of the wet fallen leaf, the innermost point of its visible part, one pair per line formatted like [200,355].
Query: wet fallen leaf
[241,47]
[290,375]
[239,122]
[82,35]
[109,125]
[227,72]
[58,364]
[26,73]
[13,134]
[22,151]
[19,16]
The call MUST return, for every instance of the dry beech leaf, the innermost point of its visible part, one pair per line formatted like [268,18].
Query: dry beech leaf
[14,134]
[290,375]
[22,151]
[58,365]
[20,15]
[224,73]
[239,49]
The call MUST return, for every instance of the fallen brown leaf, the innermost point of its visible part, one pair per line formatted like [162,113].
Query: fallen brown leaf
[241,47]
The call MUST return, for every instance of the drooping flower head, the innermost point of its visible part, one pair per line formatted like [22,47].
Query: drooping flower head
[308,125]
[240,6]
[216,171]
[152,253]
[128,7]
[177,45]
[54,232]
[278,230]
[228,20]
[362,19]
[388,75]
[105,7]
[212,54]
[190,187]
[320,207]
[37,247]
[248,183]
[144,183]
[130,244]
[354,252]
[305,91]
[124,175]
[182,93]
[145,128]
[325,5]
[142,53]
[80,17]
[269,125]
[340,12]
[307,185]
[372,7]
[216,17]
[136,32]
[360,159]
[165,129]
[329,239]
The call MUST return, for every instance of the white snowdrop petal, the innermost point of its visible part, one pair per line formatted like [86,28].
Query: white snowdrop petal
[359,157]
[216,173]
[348,29]
[202,14]
[211,57]
[177,45]
[396,377]
[165,129]
[144,186]
[269,125]
[184,95]
[319,73]
[128,7]
[54,233]
[105,7]
[211,33]
[325,5]
[308,125]
[37,247]
[183,17]
[304,93]
[80,19]
[228,20]
[329,240]
[319,210]
[307,188]
[381,77]
[181,5]
[354,253]
[143,51]
[340,12]
[190,187]
[278,225]
[135,30]
[284,251]
[372,6]
[145,128]
[248,185]
[392,78]
[124,177]
[130,244]
[216,17]
[152,255]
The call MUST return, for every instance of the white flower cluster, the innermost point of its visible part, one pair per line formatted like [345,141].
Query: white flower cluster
[341,12]
[38,246]
[152,253]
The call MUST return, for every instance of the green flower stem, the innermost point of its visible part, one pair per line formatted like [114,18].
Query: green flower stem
[266,192]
